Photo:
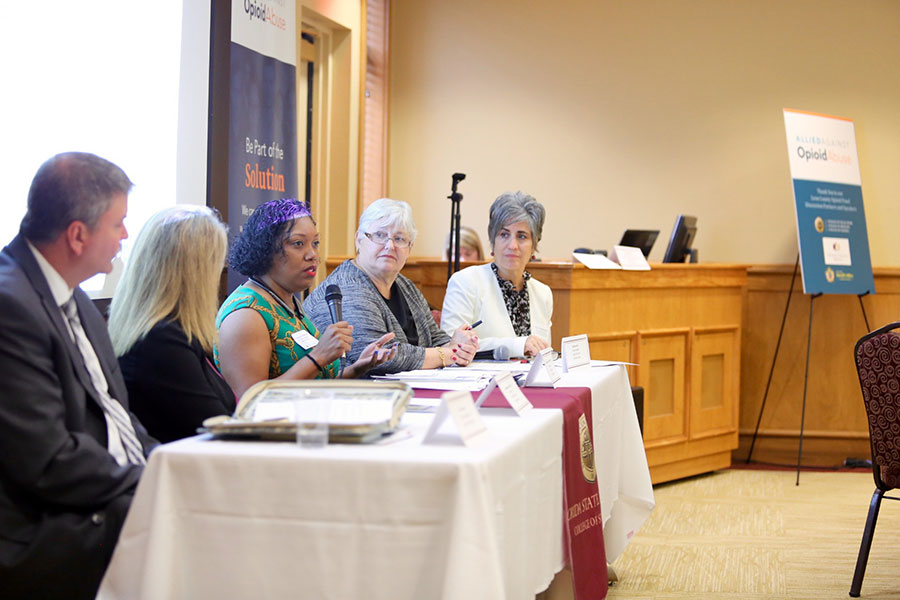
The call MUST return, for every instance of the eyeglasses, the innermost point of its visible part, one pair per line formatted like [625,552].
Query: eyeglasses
[381,238]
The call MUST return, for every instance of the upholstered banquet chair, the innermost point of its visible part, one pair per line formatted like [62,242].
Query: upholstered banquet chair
[878,365]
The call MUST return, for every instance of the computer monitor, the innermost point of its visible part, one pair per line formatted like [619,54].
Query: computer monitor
[640,238]
[683,233]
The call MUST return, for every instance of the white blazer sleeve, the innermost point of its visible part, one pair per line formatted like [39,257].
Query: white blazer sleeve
[472,295]
[459,305]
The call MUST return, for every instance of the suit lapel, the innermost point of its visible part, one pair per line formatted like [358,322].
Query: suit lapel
[19,250]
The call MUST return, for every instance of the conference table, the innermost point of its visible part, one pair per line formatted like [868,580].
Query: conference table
[396,519]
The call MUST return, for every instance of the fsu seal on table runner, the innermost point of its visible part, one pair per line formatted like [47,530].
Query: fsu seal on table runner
[587,450]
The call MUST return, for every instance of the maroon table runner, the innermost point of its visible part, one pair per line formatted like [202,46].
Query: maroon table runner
[584,548]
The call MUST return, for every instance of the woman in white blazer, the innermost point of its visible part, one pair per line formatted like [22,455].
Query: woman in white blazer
[514,308]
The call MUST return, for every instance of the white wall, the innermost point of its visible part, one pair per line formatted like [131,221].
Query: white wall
[193,104]
[623,114]
[99,78]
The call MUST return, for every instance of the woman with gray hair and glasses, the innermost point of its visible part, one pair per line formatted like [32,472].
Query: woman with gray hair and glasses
[379,300]
[514,308]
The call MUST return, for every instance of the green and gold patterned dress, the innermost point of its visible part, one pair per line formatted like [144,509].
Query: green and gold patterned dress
[281,324]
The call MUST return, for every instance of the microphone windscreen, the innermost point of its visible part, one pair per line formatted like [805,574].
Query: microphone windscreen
[333,298]
[501,353]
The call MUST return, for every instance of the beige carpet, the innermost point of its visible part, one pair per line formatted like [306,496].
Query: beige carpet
[754,534]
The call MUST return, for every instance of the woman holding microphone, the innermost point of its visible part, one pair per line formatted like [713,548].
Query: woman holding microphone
[263,332]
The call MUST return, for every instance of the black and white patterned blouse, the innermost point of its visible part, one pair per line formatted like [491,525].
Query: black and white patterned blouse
[517,304]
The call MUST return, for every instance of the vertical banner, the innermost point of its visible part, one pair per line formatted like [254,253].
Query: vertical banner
[262,158]
[828,204]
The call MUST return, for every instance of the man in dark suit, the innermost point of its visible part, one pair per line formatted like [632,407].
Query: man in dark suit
[70,453]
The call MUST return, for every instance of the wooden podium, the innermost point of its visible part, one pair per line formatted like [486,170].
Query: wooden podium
[681,326]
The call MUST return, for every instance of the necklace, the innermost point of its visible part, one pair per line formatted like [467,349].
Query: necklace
[296,313]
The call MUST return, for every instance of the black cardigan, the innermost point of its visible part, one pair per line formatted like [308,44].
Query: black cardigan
[172,386]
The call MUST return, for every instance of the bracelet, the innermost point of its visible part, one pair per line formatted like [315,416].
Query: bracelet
[315,362]
[441,354]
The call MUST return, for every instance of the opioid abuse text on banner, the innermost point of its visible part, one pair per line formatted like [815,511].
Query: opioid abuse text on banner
[828,204]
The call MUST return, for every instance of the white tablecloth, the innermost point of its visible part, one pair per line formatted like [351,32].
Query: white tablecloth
[626,494]
[396,521]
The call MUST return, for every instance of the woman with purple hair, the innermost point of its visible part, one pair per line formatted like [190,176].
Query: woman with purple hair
[263,333]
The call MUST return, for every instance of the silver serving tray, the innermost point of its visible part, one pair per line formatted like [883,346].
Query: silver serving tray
[263,411]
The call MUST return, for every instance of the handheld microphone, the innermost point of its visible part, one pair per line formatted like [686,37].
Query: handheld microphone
[334,298]
[498,353]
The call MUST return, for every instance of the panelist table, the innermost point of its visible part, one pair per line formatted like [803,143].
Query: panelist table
[395,520]
[399,519]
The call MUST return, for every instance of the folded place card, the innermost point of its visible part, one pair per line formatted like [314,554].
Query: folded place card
[576,352]
[543,363]
[630,258]
[462,412]
[510,389]
[486,392]
[595,261]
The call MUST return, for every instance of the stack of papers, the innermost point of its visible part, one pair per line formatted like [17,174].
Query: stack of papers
[622,257]
[451,378]
[476,376]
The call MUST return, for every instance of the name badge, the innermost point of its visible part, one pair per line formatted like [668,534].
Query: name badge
[305,339]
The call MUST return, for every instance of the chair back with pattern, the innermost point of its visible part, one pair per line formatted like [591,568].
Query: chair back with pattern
[878,366]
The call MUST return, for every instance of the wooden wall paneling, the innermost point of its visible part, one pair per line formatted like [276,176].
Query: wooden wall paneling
[662,374]
[561,324]
[714,382]
[621,346]
[835,427]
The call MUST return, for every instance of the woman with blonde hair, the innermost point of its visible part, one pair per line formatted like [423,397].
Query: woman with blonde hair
[469,246]
[162,322]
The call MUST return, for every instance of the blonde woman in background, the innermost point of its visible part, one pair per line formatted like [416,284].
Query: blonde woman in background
[469,246]
[162,322]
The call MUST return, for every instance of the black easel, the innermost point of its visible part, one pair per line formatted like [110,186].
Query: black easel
[774,358]
[806,372]
[805,382]
[455,200]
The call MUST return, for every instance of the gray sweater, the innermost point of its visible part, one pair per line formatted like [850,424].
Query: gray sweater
[366,310]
